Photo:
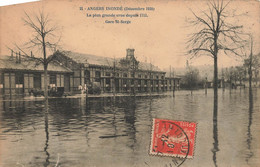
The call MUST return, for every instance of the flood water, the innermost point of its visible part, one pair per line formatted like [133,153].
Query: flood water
[70,132]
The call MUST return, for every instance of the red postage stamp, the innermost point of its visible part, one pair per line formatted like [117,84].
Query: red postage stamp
[173,138]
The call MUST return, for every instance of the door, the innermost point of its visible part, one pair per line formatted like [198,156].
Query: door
[66,83]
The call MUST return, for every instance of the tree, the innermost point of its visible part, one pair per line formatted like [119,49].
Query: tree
[43,38]
[191,78]
[252,63]
[214,33]
[240,73]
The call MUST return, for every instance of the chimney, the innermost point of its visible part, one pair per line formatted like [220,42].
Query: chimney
[16,57]
[31,54]
[12,54]
[130,53]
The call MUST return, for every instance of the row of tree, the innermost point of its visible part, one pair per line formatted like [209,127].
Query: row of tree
[237,75]
[241,74]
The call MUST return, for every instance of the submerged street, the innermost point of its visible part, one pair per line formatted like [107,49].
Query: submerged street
[73,131]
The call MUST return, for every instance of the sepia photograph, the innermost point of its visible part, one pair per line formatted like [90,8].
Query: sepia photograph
[122,83]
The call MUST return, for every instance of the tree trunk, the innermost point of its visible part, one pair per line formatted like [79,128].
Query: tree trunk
[45,82]
[215,85]
[206,87]
[215,111]
[45,65]
[134,83]
[250,76]
[47,161]
[250,65]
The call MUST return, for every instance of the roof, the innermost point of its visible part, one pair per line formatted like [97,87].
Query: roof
[8,62]
[104,61]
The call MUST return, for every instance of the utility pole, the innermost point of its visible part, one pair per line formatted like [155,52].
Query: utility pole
[206,85]
[223,80]
[172,84]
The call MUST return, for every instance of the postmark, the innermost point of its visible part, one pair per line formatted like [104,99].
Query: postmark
[173,138]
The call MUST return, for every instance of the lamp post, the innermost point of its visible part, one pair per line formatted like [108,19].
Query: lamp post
[206,85]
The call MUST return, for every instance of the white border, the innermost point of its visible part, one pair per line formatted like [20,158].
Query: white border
[13,2]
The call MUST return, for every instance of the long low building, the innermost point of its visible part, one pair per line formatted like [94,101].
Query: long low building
[120,75]
[20,75]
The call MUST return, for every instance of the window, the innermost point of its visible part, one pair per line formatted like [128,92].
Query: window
[108,82]
[53,79]
[87,74]
[161,77]
[1,80]
[19,80]
[157,77]
[125,75]
[97,74]
[108,74]
[145,76]
[139,76]
[132,82]
[37,81]
[124,81]
[132,75]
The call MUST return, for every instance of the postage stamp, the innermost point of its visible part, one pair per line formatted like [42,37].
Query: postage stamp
[173,138]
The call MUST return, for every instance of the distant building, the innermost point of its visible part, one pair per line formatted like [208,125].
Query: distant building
[20,75]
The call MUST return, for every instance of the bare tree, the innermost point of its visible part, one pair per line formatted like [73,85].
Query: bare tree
[43,38]
[214,33]
[252,63]
[191,78]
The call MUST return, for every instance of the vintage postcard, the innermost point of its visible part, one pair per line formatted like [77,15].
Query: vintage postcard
[130,83]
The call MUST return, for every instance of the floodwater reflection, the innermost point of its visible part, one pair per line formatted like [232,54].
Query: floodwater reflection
[250,119]
[215,132]
[104,131]
[47,135]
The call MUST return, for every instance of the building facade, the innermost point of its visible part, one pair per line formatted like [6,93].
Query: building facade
[20,75]
[125,75]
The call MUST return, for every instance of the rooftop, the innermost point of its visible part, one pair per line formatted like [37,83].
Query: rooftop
[105,61]
[27,63]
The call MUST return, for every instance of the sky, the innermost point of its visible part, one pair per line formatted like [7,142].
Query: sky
[159,38]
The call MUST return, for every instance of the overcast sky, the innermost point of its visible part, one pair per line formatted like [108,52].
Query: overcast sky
[159,38]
